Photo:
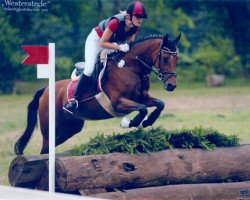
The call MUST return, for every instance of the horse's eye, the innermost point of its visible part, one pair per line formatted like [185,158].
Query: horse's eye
[164,59]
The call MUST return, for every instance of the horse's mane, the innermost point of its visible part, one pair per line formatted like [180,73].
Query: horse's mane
[148,37]
[169,43]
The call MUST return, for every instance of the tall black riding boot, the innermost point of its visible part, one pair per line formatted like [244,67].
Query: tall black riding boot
[81,88]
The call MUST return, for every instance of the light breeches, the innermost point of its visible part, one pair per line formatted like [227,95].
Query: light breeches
[92,49]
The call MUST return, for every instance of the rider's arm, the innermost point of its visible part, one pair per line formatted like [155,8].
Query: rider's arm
[104,41]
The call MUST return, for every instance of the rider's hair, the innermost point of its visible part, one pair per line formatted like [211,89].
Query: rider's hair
[123,12]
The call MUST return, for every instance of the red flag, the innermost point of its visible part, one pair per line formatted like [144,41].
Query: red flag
[36,55]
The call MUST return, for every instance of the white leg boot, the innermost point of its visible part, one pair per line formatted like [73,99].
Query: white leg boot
[125,122]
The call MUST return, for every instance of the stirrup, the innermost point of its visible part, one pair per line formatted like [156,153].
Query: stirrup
[76,101]
[68,110]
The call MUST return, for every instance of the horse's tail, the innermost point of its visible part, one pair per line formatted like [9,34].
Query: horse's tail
[31,122]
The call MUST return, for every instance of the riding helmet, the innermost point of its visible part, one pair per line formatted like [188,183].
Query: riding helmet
[137,8]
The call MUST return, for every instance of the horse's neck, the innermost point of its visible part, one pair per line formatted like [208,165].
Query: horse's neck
[145,50]
[134,72]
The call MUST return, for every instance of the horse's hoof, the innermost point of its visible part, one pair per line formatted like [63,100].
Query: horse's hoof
[125,122]
[141,124]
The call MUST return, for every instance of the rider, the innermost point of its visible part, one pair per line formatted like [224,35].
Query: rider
[119,28]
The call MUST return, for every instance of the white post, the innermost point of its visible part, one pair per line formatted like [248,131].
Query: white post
[52,117]
[48,71]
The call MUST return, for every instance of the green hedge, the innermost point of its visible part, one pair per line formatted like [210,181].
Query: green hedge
[155,139]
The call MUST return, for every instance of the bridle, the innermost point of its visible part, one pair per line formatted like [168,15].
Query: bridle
[159,71]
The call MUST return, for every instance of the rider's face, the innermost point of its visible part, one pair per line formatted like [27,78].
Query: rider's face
[137,20]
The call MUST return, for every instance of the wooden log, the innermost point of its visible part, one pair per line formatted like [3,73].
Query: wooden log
[43,183]
[26,171]
[88,192]
[159,168]
[219,191]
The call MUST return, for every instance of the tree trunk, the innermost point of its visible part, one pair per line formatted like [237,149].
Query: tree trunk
[43,183]
[221,191]
[26,171]
[159,168]
[238,12]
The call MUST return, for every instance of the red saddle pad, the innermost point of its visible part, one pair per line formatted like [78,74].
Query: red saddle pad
[71,90]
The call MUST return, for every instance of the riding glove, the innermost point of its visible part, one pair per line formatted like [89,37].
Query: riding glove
[124,47]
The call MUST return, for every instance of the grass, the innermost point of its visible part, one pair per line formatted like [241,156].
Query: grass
[228,122]
[226,109]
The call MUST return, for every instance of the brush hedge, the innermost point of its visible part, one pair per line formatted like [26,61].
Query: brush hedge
[155,139]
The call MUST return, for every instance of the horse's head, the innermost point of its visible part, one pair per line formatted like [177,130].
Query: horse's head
[158,52]
[166,61]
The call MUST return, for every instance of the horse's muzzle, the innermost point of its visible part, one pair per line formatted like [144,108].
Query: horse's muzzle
[170,87]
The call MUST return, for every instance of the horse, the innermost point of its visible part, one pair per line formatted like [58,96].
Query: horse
[127,89]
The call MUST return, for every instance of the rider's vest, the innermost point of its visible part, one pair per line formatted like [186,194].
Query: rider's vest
[120,35]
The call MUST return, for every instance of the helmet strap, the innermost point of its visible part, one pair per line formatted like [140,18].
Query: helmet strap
[131,20]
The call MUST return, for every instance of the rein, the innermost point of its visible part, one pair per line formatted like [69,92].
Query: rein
[159,72]
[139,60]
[145,64]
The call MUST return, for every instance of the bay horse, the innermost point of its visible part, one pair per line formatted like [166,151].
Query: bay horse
[126,87]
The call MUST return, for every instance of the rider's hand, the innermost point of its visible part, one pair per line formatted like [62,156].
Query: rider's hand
[124,47]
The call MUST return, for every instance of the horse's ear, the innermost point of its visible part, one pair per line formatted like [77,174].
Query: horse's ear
[177,39]
[165,38]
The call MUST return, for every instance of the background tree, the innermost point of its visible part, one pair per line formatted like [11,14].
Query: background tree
[238,27]
[215,35]
[9,54]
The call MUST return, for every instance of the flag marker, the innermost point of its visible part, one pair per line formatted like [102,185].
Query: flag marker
[36,54]
[44,58]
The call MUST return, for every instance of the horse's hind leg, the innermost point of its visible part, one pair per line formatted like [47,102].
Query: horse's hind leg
[64,130]
[67,129]
[44,123]
[45,147]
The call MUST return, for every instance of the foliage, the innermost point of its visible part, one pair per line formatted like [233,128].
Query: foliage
[155,139]
[214,35]
[64,67]
[9,55]
[164,19]
[214,55]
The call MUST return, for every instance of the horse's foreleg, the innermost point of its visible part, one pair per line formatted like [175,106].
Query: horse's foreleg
[127,105]
[139,117]
[150,102]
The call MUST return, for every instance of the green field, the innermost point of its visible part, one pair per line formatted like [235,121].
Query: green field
[226,109]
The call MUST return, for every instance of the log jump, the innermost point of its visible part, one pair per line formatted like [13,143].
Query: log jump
[205,191]
[137,173]
[159,168]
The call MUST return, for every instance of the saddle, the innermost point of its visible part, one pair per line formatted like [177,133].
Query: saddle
[98,77]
